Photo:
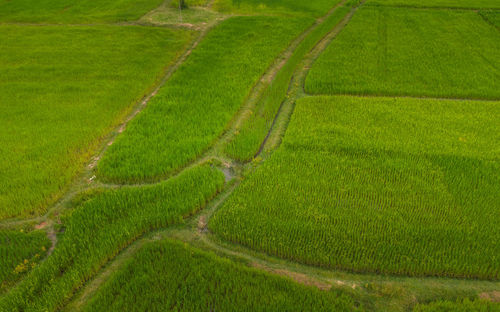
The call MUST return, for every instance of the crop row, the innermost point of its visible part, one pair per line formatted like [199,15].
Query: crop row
[174,275]
[198,102]
[348,189]
[411,52]
[102,225]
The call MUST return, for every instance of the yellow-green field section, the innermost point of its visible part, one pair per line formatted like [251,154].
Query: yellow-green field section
[73,11]
[411,52]
[62,89]
[397,186]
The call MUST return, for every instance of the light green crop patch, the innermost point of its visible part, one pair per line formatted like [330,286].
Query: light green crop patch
[62,89]
[291,7]
[411,52]
[398,186]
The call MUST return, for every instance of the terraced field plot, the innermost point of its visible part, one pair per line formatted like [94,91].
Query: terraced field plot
[409,52]
[50,124]
[398,186]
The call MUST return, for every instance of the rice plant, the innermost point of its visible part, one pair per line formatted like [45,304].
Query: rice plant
[20,251]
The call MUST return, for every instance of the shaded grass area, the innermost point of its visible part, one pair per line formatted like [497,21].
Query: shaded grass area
[404,52]
[291,7]
[71,11]
[63,89]
[395,186]
[253,131]
[19,253]
[170,275]
[476,4]
[492,17]
[197,103]
[101,225]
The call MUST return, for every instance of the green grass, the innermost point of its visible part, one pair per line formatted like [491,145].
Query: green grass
[254,130]
[200,99]
[63,89]
[459,306]
[292,7]
[399,51]
[394,186]
[173,276]
[19,253]
[471,4]
[71,11]
[101,226]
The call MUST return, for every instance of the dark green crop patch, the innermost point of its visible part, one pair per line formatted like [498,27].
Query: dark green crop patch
[175,275]
[396,186]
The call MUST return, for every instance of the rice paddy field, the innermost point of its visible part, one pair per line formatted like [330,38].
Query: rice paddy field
[249,155]
[405,52]
[50,125]
[411,190]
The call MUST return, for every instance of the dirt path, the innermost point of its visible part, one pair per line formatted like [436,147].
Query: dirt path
[296,87]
